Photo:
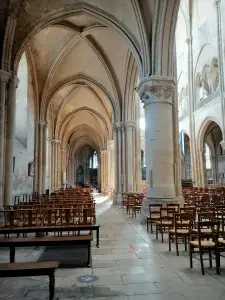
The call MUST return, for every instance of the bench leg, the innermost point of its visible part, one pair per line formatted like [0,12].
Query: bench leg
[52,285]
[12,254]
[97,238]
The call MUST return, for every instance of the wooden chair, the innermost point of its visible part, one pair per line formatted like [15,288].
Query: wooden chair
[206,243]
[181,232]
[154,215]
[165,222]
[137,206]
[129,203]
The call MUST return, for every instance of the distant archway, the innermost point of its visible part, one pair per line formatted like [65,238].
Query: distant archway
[213,158]
[186,158]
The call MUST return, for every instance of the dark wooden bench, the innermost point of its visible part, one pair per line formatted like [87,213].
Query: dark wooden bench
[46,268]
[47,229]
[13,242]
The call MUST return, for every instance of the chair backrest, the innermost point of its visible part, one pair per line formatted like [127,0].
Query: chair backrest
[183,221]
[176,206]
[206,213]
[154,209]
[212,233]
[167,214]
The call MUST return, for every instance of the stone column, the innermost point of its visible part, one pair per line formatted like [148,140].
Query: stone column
[48,163]
[110,147]
[42,162]
[106,169]
[191,112]
[36,157]
[116,163]
[123,158]
[87,168]
[119,158]
[129,125]
[10,137]
[4,78]
[68,171]
[63,166]
[57,162]
[157,94]
[138,157]
[99,170]
[102,171]
[53,165]
[71,172]
[220,45]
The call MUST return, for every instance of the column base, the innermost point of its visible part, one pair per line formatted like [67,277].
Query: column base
[148,200]
[117,199]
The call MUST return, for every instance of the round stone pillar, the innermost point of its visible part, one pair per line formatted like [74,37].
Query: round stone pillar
[53,186]
[157,94]
[42,157]
[4,78]
[10,137]
[57,163]
[130,144]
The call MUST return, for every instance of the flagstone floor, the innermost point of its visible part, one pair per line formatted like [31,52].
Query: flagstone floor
[129,265]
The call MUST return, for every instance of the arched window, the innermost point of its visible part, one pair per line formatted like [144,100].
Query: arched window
[94,161]
[142,159]
[207,157]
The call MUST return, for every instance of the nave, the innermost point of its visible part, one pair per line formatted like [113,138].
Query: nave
[129,265]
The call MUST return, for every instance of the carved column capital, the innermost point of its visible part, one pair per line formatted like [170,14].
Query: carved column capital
[189,40]
[156,89]
[117,126]
[4,76]
[42,123]
[14,81]
[129,124]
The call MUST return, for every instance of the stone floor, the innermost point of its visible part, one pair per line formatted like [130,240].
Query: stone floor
[129,265]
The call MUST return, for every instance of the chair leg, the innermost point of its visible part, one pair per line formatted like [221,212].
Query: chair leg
[151,228]
[185,243]
[217,261]
[156,232]
[169,241]
[210,259]
[162,235]
[190,256]
[176,241]
[202,264]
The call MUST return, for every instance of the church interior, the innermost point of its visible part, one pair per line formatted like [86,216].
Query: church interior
[112,149]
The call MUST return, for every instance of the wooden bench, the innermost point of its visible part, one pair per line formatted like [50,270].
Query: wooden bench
[46,268]
[47,229]
[14,242]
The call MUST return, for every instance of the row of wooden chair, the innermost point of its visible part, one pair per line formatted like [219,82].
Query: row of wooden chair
[48,217]
[202,228]
[132,202]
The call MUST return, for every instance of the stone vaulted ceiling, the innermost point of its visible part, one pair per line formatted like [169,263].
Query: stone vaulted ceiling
[80,55]
[80,67]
